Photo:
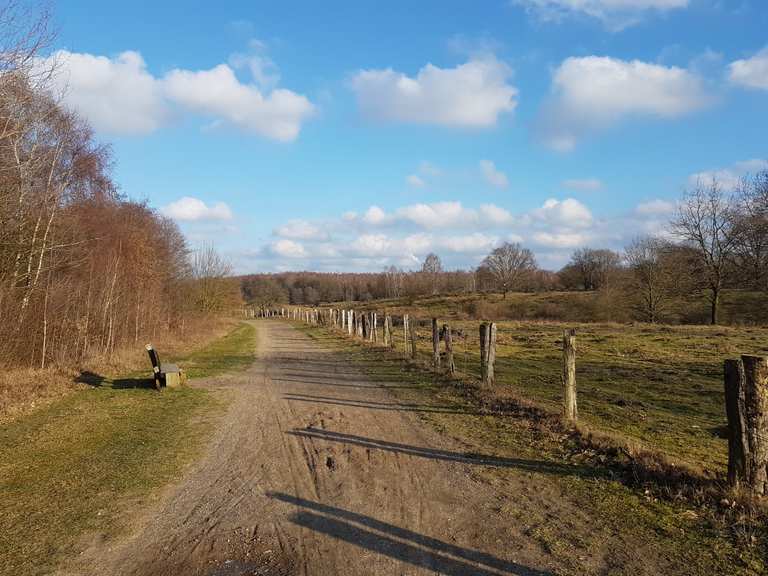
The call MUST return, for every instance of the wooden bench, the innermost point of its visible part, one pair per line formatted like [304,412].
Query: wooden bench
[165,374]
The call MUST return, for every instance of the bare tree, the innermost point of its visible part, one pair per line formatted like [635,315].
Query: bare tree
[432,268]
[653,274]
[706,220]
[211,273]
[752,230]
[508,263]
[594,268]
[393,280]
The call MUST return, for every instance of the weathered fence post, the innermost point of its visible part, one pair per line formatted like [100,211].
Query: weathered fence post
[387,333]
[360,324]
[350,321]
[449,363]
[487,353]
[365,327]
[570,410]
[374,329]
[746,404]
[413,339]
[391,332]
[435,345]
[406,340]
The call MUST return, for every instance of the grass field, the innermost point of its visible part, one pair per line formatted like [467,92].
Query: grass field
[693,538]
[660,387]
[75,466]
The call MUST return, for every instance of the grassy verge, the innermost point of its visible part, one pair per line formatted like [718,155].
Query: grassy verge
[682,536]
[81,463]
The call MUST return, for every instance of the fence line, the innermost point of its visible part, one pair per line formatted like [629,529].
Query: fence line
[745,379]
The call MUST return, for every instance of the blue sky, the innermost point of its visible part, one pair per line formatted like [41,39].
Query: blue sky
[356,135]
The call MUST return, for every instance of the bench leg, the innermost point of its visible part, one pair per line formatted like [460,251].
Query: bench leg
[172,379]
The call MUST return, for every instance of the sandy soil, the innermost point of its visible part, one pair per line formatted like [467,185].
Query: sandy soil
[316,470]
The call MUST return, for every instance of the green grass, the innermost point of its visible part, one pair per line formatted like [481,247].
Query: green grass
[681,536]
[660,387]
[79,464]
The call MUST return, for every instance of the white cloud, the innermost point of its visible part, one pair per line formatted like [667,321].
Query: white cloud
[301,230]
[218,93]
[288,249]
[495,215]
[751,72]
[374,215]
[415,180]
[116,95]
[594,93]
[614,14]
[194,209]
[439,214]
[120,96]
[492,175]
[473,94]
[561,239]
[655,208]
[583,185]
[568,212]
[728,178]
[462,235]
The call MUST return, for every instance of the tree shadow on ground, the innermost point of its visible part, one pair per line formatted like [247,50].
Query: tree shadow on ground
[542,466]
[372,405]
[400,543]
[100,381]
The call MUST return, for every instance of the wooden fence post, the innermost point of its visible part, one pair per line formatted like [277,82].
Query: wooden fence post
[387,333]
[375,329]
[449,363]
[413,339]
[365,327]
[570,410]
[746,402]
[487,353]
[435,345]
[350,321]
[406,329]
[371,316]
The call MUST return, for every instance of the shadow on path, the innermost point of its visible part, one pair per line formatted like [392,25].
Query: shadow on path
[400,543]
[436,454]
[396,406]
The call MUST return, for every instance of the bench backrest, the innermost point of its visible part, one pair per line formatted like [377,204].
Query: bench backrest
[154,358]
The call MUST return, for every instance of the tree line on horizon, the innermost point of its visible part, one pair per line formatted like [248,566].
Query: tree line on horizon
[717,239]
[84,270]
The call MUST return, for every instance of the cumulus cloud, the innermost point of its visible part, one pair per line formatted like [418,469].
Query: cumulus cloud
[655,208]
[750,72]
[472,94]
[730,177]
[614,14]
[116,95]
[594,93]
[288,249]
[583,184]
[219,94]
[300,230]
[120,96]
[493,175]
[568,212]
[193,209]
[461,235]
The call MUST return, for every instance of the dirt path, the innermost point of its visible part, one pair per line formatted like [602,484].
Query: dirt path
[317,470]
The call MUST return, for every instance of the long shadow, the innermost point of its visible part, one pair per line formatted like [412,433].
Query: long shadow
[330,382]
[411,547]
[396,407]
[436,454]
[99,381]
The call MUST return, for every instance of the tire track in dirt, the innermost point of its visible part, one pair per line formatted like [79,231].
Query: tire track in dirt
[316,470]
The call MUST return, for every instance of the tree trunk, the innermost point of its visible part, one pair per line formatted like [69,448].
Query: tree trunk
[715,302]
